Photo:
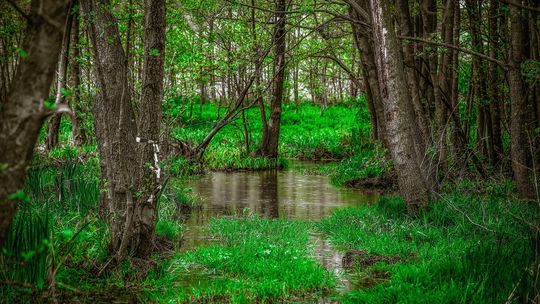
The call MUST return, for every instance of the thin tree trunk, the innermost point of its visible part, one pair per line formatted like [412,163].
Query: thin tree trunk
[270,147]
[78,133]
[54,123]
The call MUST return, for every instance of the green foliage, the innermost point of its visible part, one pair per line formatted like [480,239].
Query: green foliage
[469,247]
[179,166]
[24,255]
[169,229]
[366,164]
[305,134]
[256,260]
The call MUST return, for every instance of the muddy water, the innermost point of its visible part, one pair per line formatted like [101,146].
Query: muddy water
[287,194]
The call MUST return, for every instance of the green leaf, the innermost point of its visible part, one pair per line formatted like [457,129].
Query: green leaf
[154,52]
[20,196]
[49,103]
[66,92]
[21,53]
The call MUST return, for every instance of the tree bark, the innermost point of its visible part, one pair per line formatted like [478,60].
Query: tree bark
[398,114]
[149,124]
[519,144]
[78,132]
[364,42]
[258,67]
[23,112]
[128,149]
[406,29]
[54,123]
[270,147]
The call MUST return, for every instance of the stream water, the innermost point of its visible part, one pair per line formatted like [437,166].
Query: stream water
[286,194]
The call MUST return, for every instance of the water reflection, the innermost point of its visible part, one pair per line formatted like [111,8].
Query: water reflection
[271,194]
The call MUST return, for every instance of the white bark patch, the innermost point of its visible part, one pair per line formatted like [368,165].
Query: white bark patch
[156,160]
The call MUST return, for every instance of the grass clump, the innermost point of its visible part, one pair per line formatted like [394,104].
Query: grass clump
[254,260]
[469,247]
[368,163]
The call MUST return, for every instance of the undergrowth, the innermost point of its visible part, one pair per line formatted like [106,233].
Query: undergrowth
[471,246]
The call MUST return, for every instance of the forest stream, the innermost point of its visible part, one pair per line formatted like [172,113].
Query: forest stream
[287,194]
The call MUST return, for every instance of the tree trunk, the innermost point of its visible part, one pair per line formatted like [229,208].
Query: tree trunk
[364,42]
[398,113]
[54,122]
[128,155]
[79,135]
[149,125]
[23,111]
[270,147]
[519,144]
[406,29]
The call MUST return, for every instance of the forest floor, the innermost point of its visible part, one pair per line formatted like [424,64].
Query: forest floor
[475,244]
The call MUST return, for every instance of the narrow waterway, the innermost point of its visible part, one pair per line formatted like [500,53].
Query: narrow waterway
[286,194]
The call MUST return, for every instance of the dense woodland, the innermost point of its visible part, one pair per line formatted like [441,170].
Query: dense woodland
[109,108]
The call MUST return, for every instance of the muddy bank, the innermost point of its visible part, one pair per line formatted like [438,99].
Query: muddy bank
[379,184]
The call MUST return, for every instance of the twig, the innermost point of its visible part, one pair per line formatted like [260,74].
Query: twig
[464,214]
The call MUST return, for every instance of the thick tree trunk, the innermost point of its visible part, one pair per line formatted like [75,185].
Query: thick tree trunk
[149,125]
[23,112]
[519,144]
[398,113]
[131,179]
[406,29]
[270,147]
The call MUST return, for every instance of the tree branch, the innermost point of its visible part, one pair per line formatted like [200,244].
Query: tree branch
[457,48]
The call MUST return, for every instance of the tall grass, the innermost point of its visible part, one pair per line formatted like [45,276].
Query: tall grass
[24,255]
[53,203]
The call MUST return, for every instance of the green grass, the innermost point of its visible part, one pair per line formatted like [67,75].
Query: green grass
[305,134]
[366,163]
[470,247]
[253,260]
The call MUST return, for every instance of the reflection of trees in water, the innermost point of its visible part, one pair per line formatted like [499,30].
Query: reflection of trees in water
[269,194]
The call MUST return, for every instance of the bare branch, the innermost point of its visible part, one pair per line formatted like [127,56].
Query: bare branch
[457,48]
